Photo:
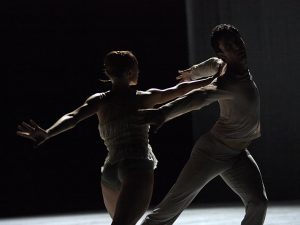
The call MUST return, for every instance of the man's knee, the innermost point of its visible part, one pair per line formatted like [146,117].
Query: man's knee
[262,203]
[258,204]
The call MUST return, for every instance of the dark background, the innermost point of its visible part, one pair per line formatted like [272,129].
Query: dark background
[53,54]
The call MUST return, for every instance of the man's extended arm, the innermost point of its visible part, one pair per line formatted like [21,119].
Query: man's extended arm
[207,68]
[193,101]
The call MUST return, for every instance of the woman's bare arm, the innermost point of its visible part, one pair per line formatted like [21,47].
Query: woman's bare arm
[161,96]
[33,131]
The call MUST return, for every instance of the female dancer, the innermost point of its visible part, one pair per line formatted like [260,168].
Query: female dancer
[127,174]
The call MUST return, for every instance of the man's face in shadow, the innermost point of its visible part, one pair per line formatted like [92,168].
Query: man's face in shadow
[232,50]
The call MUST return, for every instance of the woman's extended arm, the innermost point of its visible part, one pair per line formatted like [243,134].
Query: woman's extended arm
[195,77]
[194,100]
[161,96]
[34,132]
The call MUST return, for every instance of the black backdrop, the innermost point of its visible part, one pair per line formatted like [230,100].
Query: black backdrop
[53,58]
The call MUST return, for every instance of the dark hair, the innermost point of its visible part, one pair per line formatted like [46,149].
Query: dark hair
[116,63]
[221,31]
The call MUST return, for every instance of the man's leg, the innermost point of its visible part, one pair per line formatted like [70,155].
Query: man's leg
[197,172]
[244,178]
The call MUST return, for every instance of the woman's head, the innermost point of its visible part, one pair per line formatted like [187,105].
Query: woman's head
[121,64]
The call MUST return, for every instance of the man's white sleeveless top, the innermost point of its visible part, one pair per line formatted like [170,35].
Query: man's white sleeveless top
[239,119]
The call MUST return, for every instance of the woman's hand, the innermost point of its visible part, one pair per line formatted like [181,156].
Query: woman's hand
[33,132]
[184,75]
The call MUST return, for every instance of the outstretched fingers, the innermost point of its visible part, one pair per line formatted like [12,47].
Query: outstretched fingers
[179,77]
[33,124]
[184,75]
[33,132]
[26,130]
[25,134]
[27,127]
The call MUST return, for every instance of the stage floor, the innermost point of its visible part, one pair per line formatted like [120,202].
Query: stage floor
[278,214]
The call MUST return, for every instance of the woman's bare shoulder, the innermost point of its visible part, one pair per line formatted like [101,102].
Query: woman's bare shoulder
[97,97]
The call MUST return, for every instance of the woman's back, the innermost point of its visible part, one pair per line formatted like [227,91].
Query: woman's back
[123,138]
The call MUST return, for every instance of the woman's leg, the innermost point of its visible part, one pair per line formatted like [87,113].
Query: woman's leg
[110,197]
[110,185]
[135,196]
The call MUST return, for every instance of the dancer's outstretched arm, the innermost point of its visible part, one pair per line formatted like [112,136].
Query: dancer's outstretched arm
[155,96]
[33,131]
[201,70]
[194,100]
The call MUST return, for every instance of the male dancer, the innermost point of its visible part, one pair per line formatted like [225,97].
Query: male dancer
[223,150]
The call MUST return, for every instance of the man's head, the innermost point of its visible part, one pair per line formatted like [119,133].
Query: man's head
[228,44]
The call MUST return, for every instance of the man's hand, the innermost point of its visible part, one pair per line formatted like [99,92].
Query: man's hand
[33,132]
[154,117]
